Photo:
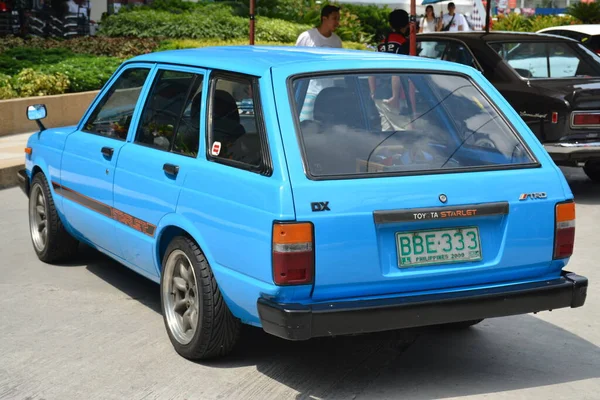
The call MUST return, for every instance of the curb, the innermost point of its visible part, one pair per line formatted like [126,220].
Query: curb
[8,176]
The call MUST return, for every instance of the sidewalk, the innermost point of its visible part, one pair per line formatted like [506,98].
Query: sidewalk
[12,158]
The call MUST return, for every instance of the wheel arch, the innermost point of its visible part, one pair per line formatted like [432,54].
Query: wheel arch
[173,225]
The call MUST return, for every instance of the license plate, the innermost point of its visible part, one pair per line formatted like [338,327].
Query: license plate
[438,246]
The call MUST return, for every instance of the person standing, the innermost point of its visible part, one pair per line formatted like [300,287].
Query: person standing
[429,21]
[452,22]
[321,36]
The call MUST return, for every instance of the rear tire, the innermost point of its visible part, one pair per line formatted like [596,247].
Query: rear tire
[198,322]
[592,170]
[51,241]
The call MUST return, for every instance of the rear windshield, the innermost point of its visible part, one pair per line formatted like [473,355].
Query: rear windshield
[403,124]
[545,60]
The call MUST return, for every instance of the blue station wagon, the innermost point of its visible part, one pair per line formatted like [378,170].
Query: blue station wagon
[310,192]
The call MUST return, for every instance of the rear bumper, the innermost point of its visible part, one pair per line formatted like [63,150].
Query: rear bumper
[302,322]
[23,180]
[573,153]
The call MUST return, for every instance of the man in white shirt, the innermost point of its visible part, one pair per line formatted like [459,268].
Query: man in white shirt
[452,21]
[322,36]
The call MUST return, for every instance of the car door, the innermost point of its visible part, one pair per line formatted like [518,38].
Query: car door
[162,146]
[90,156]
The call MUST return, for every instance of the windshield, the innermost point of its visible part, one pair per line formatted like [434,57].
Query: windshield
[439,122]
[546,59]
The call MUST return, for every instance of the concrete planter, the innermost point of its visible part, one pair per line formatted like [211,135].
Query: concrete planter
[63,109]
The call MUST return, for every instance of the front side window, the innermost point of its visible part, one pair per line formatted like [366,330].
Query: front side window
[112,116]
[409,123]
[170,120]
[545,59]
[235,136]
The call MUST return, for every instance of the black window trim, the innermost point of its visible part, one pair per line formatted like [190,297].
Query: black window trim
[535,163]
[159,70]
[99,103]
[432,39]
[266,167]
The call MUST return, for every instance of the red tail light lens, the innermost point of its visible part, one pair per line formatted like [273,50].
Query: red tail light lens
[293,253]
[554,117]
[586,119]
[564,237]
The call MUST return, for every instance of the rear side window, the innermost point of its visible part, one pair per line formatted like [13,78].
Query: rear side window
[353,125]
[545,59]
[236,132]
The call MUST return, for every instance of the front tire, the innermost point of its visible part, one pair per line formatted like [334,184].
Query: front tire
[592,170]
[198,322]
[51,241]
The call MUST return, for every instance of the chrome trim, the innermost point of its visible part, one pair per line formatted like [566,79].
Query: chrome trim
[574,113]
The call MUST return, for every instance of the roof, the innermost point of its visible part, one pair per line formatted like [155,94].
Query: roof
[256,60]
[588,29]
[495,36]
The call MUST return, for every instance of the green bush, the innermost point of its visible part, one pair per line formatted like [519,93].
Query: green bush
[518,23]
[587,13]
[175,44]
[84,73]
[218,24]
[14,60]
[6,88]
[34,83]
[100,46]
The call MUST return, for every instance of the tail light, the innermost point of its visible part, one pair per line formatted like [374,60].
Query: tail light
[586,119]
[293,253]
[554,117]
[564,236]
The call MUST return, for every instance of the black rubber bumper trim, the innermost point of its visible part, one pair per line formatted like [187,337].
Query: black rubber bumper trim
[23,180]
[302,322]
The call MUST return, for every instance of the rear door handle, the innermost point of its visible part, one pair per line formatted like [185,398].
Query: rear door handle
[107,151]
[171,169]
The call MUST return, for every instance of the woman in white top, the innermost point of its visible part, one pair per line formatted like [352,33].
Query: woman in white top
[429,21]
[428,24]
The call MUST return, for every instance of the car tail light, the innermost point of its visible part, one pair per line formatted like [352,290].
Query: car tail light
[586,119]
[564,236]
[554,117]
[293,253]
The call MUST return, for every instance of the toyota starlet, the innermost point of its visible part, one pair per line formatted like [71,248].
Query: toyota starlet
[309,192]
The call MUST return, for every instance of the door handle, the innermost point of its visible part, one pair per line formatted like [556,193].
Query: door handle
[171,169]
[107,151]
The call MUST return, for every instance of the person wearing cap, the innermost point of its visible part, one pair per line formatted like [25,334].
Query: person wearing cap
[323,35]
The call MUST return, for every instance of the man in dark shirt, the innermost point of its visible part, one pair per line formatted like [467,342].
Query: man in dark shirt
[396,41]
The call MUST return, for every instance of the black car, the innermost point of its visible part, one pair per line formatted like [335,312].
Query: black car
[552,82]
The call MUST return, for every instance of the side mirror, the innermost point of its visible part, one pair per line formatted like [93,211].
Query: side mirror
[36,112]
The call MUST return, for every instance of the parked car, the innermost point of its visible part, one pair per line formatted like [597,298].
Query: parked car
[322,211]
[552,82]
[587,34]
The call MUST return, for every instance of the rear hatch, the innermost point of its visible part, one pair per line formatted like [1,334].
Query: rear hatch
[438,193]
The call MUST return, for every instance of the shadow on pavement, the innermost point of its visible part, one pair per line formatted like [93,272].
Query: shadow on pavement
[497,355]
[584,190]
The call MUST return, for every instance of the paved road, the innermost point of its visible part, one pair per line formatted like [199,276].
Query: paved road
[93,330]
